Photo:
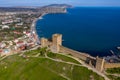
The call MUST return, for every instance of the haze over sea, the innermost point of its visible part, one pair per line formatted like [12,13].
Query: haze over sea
[95,30]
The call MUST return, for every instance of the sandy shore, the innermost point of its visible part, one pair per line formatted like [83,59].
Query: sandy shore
[33,26]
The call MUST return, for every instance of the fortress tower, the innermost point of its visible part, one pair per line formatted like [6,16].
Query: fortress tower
[57,39]
[56,43]
[44,42]
[100,64]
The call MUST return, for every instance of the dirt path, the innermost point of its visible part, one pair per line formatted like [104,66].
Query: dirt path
[90,68]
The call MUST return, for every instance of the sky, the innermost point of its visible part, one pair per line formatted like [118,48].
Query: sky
[6,3]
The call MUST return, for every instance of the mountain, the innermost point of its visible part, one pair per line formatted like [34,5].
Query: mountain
[34,9]
[59,5]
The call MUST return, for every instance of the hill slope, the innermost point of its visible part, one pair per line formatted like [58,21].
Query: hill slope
[17,67]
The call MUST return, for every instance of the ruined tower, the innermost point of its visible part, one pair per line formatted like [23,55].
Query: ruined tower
[56,43]
[100,64]
[44,42]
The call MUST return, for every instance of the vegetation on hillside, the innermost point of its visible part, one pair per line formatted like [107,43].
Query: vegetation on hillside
[113,70]
[61,57]
[113,77]
[113,73]
[34,65]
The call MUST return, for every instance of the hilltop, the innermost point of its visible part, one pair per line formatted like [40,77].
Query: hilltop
[41,64]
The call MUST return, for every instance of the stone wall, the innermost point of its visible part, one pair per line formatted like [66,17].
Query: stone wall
[74,53]
[55,45]
[44,42]
[100,64]
[111,65]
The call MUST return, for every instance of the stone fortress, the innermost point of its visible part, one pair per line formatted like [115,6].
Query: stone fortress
[55,45]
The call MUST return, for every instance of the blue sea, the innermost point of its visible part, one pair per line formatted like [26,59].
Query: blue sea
[95,30]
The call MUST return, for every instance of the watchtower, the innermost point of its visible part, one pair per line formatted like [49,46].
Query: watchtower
[100,64]
[44,42]
[56,43]
[57,39]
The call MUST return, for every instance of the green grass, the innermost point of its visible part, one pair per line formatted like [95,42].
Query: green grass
[84,74]
[52,55]
[37,68]
[113,70]
[113,77]
[18,68]
[62,57]
[32,52]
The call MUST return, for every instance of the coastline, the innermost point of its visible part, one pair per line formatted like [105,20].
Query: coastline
[100,51]
[33,29]
[33,25]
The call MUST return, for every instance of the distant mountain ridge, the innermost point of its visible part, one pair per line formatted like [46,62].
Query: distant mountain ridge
[34,9]
[59,5]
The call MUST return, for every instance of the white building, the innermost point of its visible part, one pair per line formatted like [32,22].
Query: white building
[5,27]
[2,45]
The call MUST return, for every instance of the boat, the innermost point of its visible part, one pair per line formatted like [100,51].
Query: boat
[112,52]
